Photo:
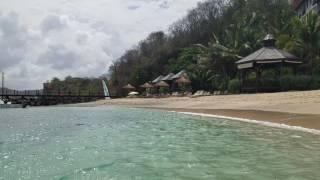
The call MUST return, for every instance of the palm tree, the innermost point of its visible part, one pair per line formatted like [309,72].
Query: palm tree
[308,37]
[202,79]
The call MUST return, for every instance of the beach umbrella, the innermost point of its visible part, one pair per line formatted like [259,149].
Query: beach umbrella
[162,84]
[129,87]
[133,93]
[146,86]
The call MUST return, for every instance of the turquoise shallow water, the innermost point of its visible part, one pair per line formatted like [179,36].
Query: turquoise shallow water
[122,144]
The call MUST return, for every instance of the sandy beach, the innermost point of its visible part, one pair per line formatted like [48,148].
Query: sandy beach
[289,108]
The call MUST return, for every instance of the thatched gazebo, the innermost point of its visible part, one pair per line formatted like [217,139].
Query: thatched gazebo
[162,84]
[182,82]
[268,57]
[146,86]
[129,87]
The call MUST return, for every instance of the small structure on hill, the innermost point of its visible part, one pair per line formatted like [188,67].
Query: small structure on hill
[268,57]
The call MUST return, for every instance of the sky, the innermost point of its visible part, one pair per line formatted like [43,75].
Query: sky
[42,39]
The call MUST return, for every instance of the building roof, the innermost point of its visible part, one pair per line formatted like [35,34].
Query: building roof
[183,80]
[162,84]
[129,86]
[179,74]
[158,79]
[168,77]
[147,85]
[268,54]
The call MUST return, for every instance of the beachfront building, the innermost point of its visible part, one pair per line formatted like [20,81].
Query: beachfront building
[268,57]
[174,82]
[302,7]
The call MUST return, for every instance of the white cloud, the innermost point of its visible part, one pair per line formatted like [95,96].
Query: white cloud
[42,39]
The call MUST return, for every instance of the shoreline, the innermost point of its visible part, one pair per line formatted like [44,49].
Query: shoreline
[308,121]
[253,121]
[294,109]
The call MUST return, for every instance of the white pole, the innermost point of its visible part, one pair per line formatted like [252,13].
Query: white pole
[2,85]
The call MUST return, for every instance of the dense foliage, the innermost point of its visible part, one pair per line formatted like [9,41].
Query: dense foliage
[74,86]
[214,35]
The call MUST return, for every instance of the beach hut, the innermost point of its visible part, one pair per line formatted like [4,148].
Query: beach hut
[179,75]
[182,82]
[268,57]
[163,87]
[162,84]
[148,87]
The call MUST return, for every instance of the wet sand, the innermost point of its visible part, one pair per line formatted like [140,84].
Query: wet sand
[289,108]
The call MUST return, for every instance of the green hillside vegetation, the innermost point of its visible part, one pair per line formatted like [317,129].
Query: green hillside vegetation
[211,37]
[75,86]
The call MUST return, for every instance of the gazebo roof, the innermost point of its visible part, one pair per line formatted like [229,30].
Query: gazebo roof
[162,84]
[268,54]
[129,86]
[183,80]
[158,79]
[146,85]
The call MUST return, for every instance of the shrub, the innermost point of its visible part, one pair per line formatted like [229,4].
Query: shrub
[315,83]
[301,82]
[164,90]
[287,83]
[223,85]
[234,86]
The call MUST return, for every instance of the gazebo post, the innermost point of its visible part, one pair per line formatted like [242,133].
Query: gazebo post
[241,80]
[280,74]
[257,71]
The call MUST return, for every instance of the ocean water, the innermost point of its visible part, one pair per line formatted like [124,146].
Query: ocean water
[112,143]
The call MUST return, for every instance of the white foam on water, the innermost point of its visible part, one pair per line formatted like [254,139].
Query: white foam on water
[264,123]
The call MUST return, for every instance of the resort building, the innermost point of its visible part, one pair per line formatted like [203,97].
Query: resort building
[304,6]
